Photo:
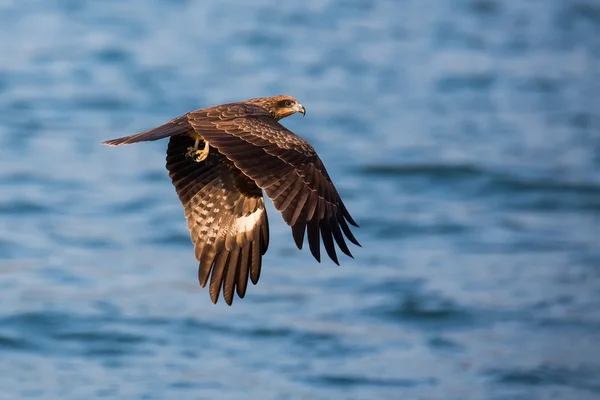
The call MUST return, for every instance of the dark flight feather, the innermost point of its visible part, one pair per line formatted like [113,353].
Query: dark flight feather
[287,168]
[220,204]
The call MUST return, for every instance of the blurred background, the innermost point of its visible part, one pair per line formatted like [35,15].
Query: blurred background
[464,137]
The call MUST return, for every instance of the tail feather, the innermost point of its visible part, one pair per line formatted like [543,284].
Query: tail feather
[174,127]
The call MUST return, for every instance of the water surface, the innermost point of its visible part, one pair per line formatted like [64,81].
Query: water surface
[463,136]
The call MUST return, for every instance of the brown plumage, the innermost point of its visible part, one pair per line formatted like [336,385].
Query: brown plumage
[249,151]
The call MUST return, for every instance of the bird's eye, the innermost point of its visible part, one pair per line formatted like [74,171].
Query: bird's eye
[288,103]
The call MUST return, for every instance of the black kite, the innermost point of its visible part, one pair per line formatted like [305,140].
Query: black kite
[220,159]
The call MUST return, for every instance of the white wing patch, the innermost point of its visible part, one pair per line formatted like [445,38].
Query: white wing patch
[247,223]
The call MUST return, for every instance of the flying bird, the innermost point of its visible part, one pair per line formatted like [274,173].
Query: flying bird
[220,159]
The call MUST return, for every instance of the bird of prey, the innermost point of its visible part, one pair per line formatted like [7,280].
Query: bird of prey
[220,159]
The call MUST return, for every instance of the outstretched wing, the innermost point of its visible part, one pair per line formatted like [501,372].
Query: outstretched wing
[226,216]
[174,127]
[286,167]
[181,125]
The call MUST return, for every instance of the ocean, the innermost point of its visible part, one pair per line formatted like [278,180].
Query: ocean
[463,136]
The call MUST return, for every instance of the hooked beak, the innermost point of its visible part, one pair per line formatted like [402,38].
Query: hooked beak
[300,108]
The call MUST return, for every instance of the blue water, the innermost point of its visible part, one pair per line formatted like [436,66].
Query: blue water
[464,137]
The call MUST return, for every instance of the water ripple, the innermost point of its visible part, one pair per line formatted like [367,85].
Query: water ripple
[463,140]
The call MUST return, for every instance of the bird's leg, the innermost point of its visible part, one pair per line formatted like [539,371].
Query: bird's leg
[198,155]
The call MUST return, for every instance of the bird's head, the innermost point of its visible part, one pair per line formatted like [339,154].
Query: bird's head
[279,106]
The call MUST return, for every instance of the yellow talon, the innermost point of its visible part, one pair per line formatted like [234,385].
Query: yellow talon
[198,155]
